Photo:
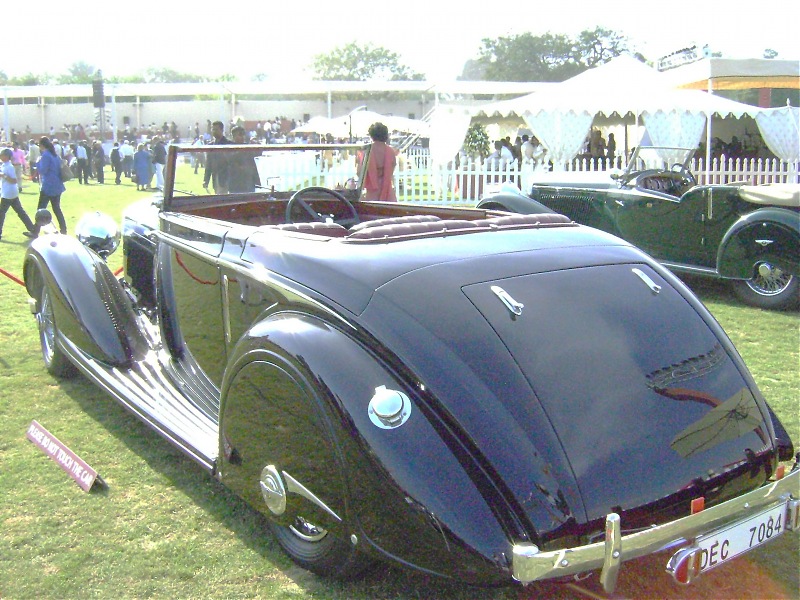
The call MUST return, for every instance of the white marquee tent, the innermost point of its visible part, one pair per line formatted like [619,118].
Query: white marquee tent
[357,123]
[562,115]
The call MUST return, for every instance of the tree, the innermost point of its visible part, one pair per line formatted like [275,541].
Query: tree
[474,70]
[599,46]
[476,142]
[548,57]
[356,62]
[28,79]
[164,75]
[79,72]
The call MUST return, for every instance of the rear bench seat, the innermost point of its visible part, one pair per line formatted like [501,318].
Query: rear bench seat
[314,228]
[336,230]
[405,230]
[414,226]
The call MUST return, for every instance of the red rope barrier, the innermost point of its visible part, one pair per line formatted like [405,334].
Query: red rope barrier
[11,277]
[189,273]
[19,281]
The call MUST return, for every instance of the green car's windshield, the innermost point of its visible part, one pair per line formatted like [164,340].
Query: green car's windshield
[659,158]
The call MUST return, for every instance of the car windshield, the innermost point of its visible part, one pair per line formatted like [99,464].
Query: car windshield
[660,158]
[275,171]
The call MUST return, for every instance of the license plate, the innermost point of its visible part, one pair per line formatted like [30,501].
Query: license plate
[720,547]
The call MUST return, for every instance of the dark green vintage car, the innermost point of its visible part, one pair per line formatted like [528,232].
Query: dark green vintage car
[747,234]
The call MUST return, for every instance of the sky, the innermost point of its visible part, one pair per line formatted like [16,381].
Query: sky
[433,37]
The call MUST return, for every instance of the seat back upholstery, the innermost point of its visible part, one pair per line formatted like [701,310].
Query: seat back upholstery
[443,227]
[405,230]
[394,221]
[508,221]
[315,228]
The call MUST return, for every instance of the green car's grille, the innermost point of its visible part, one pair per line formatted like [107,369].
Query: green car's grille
[577,205]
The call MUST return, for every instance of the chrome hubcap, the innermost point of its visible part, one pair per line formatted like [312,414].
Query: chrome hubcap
[307,531]
[273,490]
[769,280]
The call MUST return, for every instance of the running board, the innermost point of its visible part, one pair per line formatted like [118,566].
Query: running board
[144,389]
[707,271]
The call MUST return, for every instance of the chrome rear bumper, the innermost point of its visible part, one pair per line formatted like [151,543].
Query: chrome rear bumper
[530,564]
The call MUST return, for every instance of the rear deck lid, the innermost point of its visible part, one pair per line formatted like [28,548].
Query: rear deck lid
[642,394]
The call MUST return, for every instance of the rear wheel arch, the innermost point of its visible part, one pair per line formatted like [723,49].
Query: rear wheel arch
[377,467]
[761,253]
[279,428]
[494,205]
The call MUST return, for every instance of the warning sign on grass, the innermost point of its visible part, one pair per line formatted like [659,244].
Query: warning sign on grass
[84,475]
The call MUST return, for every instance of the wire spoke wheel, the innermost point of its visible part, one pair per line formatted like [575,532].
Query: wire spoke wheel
[770,287]
[47,327]
[55,361]
[769,280]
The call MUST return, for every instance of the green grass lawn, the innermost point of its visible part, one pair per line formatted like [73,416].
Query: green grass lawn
[165,529]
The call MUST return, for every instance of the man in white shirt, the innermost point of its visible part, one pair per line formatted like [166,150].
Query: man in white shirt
[527,148]
[82,158]
[126,152]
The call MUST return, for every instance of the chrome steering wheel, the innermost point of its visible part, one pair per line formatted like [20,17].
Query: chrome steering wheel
[684,172]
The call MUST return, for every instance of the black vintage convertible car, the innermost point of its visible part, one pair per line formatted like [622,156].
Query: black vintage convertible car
[749,235]
[487,397]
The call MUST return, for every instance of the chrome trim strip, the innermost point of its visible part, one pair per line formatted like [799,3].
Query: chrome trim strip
[690,268]
[529,564]
[226,311]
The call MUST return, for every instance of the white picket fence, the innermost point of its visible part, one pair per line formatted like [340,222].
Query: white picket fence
[417,180]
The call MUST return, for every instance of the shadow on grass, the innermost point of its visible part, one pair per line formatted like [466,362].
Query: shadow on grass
[771,569]
[716,291]
[250,526]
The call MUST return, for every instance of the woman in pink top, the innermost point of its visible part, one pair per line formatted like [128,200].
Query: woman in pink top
[379,181]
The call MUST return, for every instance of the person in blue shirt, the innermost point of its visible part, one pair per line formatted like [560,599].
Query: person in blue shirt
[49,167]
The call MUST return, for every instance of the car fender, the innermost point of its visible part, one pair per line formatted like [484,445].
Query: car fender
[510,199]
[296,395]
[90,306]
[769,234]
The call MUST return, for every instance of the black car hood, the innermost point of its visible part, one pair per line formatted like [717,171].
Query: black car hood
[607,392]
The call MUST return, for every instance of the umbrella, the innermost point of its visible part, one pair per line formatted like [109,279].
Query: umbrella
[358,123]
[323,126]
[362,119]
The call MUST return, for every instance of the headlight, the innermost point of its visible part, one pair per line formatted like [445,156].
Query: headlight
[98,232]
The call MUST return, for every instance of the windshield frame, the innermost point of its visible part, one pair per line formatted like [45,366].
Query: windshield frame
[670,155]
[172,202]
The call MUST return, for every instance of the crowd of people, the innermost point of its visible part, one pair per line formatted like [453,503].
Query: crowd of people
[525,149]
[140,156]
